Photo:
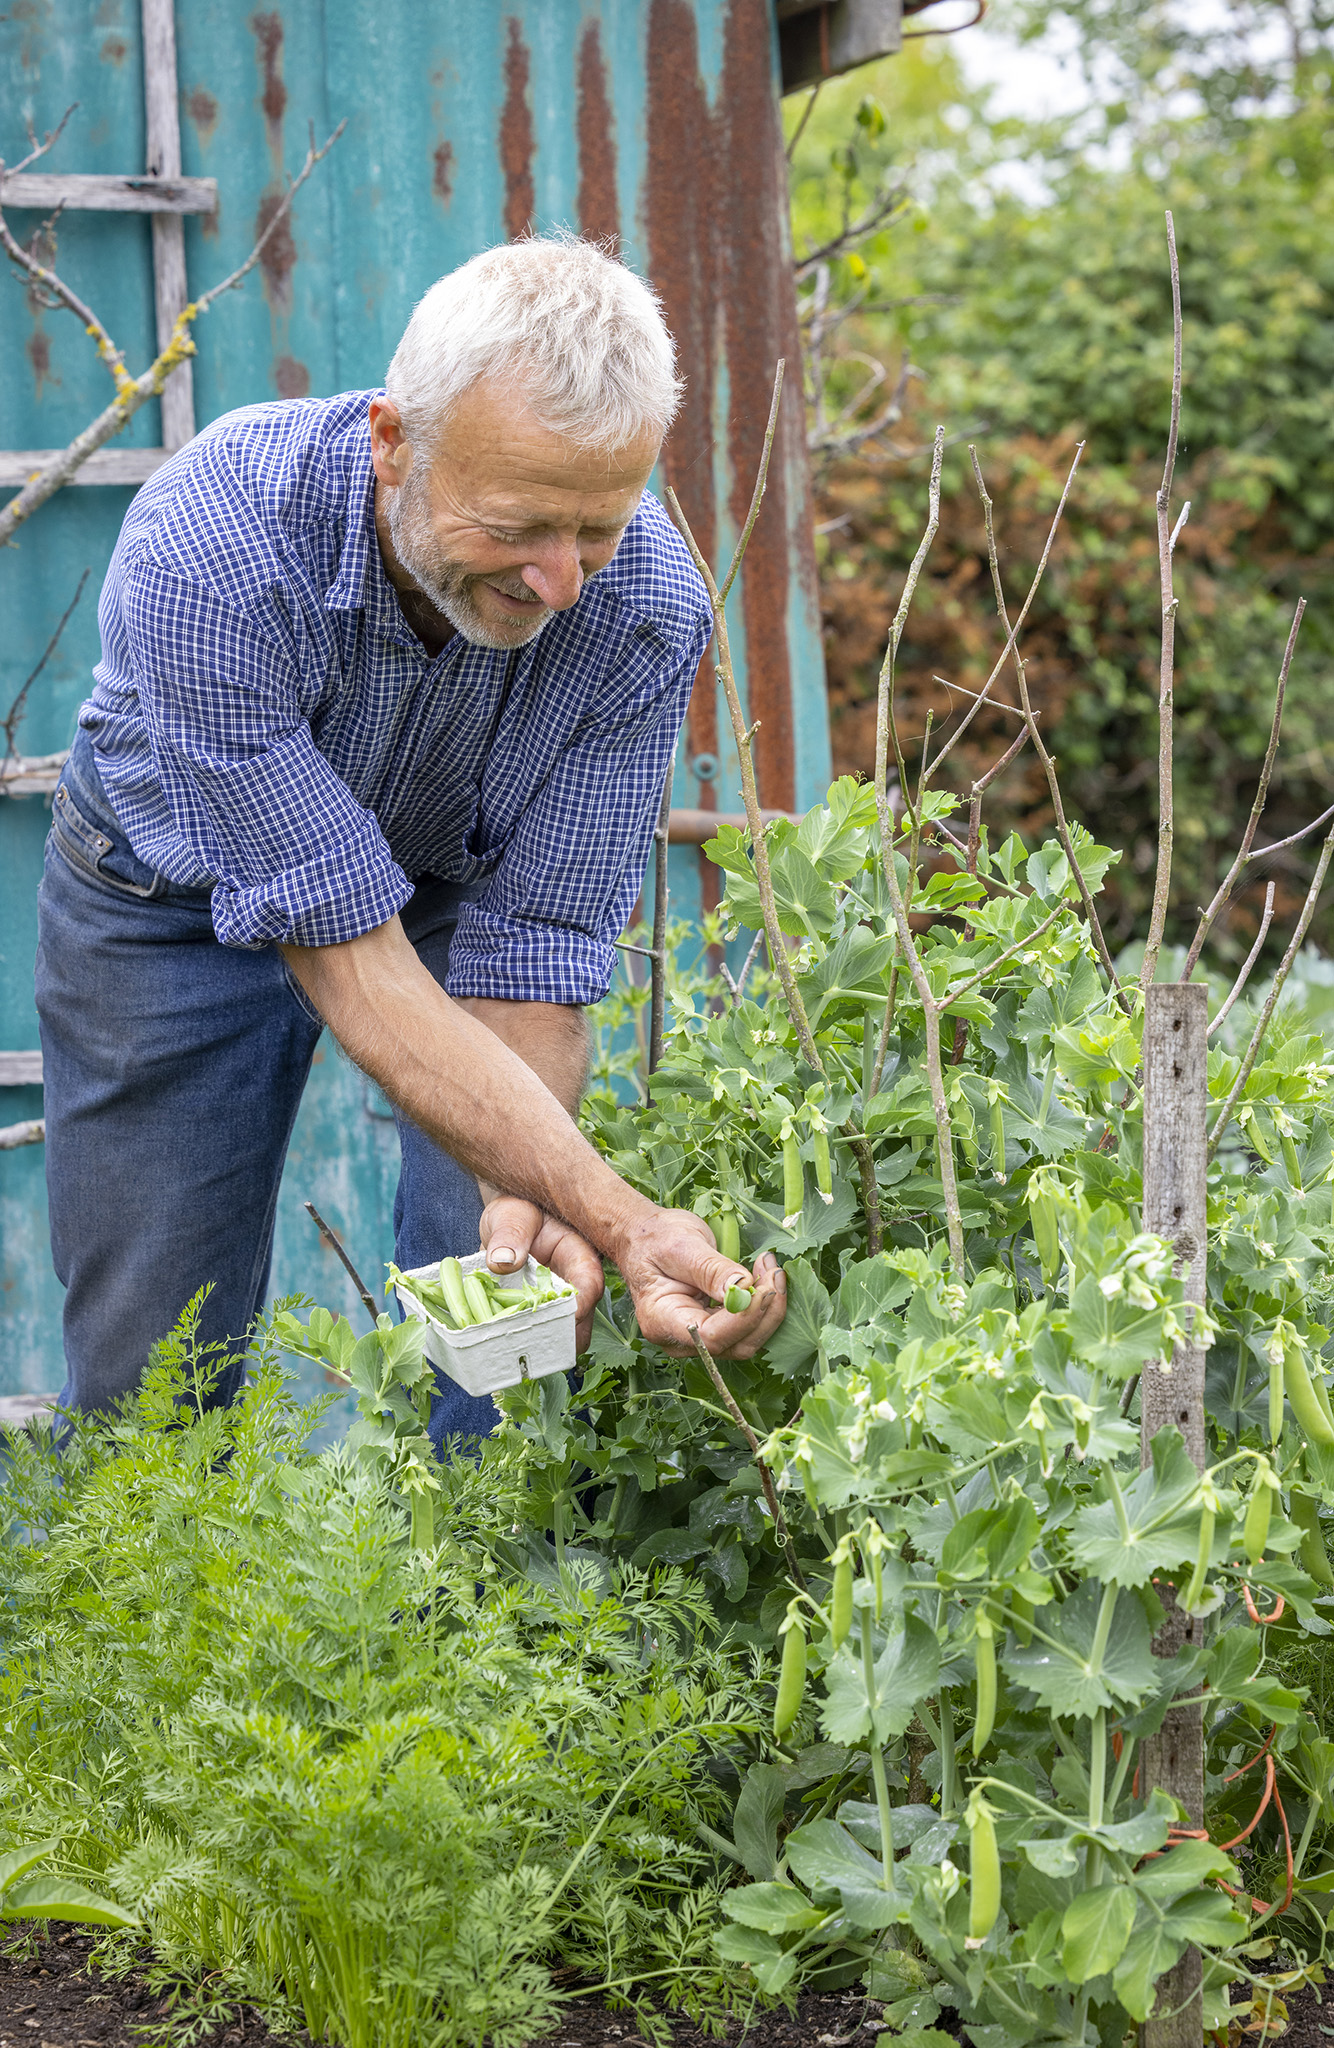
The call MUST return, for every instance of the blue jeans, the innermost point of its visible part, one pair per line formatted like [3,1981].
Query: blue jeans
[173,1070]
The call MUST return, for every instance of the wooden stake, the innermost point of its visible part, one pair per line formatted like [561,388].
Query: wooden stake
[1176,1030]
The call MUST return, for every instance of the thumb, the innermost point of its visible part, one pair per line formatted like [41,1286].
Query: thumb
[507,1229]
[703,1266]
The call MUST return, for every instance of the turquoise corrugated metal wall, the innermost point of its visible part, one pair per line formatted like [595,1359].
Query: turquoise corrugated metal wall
[651,120]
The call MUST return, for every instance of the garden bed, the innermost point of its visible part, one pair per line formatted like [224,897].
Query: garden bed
[51,1996]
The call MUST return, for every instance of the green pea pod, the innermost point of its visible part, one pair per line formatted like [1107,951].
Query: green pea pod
[1046,1235]
[878,1581]
[840,1602]
[984,1652]
[1305,1512]
[727,1233]
[479,1301]
[791,1679]
[737,1300]
[1312,1419]
[997,1140]
[1276,1396]
[1255,1530]
[824,1172]
[794,1186]
[1196,1587]
[1294,1171]
[451,1286]
[984,1891]
[1021,1612]
[423,1520]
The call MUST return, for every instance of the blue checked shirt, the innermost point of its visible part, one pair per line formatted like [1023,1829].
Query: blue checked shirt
[266,722]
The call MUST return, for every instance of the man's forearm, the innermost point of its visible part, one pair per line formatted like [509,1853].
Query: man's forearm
[551,1038]
[462,1084]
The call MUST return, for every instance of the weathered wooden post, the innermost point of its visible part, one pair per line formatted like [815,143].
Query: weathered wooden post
[1175,1057]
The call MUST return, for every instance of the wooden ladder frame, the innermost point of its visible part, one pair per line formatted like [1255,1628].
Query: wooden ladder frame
[167,197]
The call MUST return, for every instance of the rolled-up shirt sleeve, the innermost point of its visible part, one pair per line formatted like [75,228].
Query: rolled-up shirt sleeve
[250,801]
[544,929]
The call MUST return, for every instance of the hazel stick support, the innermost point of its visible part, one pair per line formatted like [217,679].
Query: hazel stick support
[335,1244]
[1162,886]
[658,956]
[1224,1116]
[1249,962]
[742,735]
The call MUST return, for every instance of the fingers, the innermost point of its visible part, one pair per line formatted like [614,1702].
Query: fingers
[742,1336]
[507,1231]
[667,1310]
[573,1260]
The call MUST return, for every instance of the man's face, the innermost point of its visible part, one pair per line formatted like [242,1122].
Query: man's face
[499,528]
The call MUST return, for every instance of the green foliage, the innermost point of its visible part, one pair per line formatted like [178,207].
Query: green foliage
[378,1789]
[1034,324]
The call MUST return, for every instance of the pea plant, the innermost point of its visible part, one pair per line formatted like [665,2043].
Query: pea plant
[929,1500]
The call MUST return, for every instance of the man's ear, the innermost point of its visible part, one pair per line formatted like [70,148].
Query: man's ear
[391,456]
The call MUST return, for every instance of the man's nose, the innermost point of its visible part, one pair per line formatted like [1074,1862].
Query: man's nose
[556,577]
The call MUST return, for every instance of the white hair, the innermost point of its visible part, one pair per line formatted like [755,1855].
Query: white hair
[580,336]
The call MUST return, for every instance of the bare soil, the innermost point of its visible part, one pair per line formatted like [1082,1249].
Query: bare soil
[51,1998]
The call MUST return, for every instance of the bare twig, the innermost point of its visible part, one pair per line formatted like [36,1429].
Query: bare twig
[806,113]
[978,790]
[39,149]
[781,1529]
[335,1244]
[1226,886]
[1012,632]
[888,200]
[886,729]
[952,995]
[1224,1116]
[1162,885]
[14,715]
[1250,960]
[658,955]
[1063,831]
[742,734]
[133,392]
[1264,853]
[737,988]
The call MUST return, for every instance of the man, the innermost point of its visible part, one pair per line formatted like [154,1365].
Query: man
[388,691]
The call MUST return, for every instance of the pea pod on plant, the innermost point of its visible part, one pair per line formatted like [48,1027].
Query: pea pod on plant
[1208,1517]
[792,1672]
[1311,1413]
[794,1183]
[1255,1531]
[840,1598]
[1305,1512]
[984,1883]
[984,1652]
[727,1232]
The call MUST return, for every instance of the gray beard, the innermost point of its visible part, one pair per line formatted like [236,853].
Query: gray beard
[447,585]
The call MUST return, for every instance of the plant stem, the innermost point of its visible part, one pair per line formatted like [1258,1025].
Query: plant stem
[1097,1767]
[949,1776]
[1166,823]
[766,1476]
[878,1778]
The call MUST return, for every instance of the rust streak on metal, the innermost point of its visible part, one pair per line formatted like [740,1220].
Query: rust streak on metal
[760,326]
[203,111]
[267,30]
[291,377]
[38,351]
[599,212]
[114,50]
[517,140]
[680,200]
[442,173]
[279,258]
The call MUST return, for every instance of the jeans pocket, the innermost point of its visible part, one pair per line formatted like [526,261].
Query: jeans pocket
[86,846]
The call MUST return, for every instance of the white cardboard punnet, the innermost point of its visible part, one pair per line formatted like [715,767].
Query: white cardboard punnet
[523,1346]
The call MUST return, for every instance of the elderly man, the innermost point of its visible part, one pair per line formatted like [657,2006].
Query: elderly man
[389,686]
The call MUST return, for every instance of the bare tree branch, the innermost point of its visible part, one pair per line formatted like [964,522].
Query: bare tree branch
[131,392]
[1225,887]
[14,716]
[1251,958]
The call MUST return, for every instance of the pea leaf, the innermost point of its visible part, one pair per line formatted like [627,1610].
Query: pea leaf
[824,1855]
[905,1672]
[1095,1930]
[1158,1530]
[1158,1941]
[777,1908]
[59,1898]
[854,972]
[1063,1675]
[773,1967]
[755,1821]
[796,1343]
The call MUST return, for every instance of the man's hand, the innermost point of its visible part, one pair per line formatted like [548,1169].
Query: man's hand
[670,1263]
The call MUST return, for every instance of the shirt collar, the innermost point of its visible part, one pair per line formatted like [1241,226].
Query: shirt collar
[361,582]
